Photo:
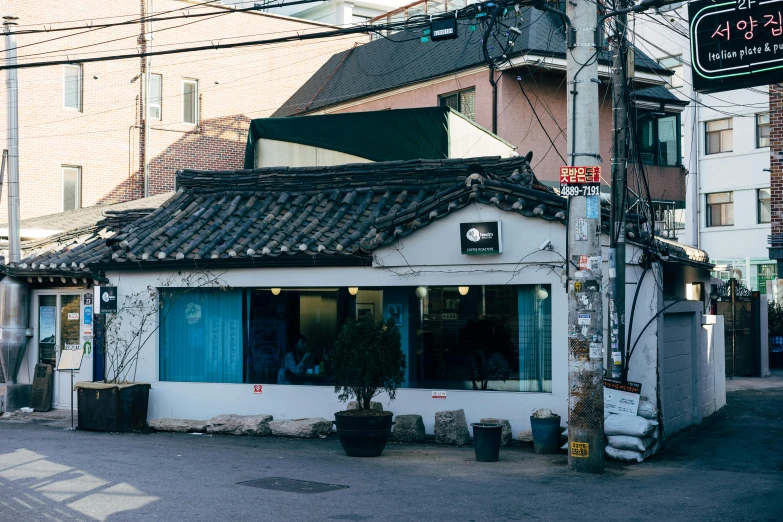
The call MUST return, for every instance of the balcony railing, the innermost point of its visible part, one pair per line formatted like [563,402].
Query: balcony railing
[422,7]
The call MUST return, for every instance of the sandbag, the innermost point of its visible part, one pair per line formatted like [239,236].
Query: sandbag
[626,442]
[634,426]
[647,410]
[624,455]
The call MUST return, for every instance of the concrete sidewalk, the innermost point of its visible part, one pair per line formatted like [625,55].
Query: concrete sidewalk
[775,380]
[730,467]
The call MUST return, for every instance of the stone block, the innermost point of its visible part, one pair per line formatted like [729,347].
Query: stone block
[302,428]
[178,425]
[240,424]
[451,428]
[374,406]
[408,428]
[506,438]
[525,436]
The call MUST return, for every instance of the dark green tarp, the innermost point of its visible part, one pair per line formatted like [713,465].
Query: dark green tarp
[402,134]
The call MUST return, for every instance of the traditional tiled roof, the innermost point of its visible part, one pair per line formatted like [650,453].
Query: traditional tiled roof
[402,59]
[306,216]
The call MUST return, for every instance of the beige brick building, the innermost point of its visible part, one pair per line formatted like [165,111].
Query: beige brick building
[81,127]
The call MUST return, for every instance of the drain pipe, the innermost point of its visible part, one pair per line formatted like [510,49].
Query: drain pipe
[494,98]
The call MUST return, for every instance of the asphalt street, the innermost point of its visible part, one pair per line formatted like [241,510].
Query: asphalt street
[728,468]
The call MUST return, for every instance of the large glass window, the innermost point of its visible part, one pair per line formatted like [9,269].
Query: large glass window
[201,335]
[454,338]
[659,136]
[719,136]
[720,209]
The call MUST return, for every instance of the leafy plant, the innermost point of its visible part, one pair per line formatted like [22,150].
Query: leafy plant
[367,360]
[139,315]
[775,318]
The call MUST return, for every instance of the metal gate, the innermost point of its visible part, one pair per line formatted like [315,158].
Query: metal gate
[739,307]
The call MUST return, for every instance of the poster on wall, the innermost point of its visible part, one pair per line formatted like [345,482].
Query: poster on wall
[47,324]
[620,397]
[394,311]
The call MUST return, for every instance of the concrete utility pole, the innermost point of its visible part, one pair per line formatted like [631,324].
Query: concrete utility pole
[585,314]
[619,191]
[12,134]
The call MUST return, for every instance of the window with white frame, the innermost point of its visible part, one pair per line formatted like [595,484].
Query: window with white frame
[72,188]
[156,97]
[719,136]
[190,101]
[674,64]
[463,101]
[762,130]
[72,87]
[764,197]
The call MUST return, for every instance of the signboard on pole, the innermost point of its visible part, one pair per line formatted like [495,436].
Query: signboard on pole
[621,397]
[580,181]
[736,43]
[105,299]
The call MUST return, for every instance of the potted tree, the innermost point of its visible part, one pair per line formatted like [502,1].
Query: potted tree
[119,403]
[367,360]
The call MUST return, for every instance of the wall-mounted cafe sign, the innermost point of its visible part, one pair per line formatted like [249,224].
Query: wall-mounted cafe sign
[481,238]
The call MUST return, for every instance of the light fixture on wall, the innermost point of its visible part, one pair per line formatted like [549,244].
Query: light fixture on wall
[275,291]
[463,290]
[541,294]
[421,292]
[353,290]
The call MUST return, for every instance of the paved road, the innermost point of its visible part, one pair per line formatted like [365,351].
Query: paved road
[729,468]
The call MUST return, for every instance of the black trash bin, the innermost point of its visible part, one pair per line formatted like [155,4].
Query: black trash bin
[486,441]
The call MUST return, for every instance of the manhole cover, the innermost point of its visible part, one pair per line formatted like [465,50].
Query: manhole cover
[291,485]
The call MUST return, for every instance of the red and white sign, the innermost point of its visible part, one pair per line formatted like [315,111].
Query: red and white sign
[258,388]
[580,175]
[439,395]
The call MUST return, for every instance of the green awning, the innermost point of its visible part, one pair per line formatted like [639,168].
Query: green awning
[402,134]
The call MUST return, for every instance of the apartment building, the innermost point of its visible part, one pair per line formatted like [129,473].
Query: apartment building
[82,138]
[726,152]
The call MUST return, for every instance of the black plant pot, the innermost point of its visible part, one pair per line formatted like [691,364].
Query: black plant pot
[546,434]
[363,435]
[113,408]
[486,441]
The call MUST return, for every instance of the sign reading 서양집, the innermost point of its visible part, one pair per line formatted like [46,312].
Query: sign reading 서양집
[736,43]
[481,238]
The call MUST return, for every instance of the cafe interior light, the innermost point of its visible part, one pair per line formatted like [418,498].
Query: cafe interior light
[353,290]
[463,290]
[275,291]
[421,292]
[541,294]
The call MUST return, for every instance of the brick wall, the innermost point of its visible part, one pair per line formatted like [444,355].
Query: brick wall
[775,161]
[106,138]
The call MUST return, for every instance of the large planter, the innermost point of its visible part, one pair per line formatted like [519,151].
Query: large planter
[363,435]
[112,407]
[546,434]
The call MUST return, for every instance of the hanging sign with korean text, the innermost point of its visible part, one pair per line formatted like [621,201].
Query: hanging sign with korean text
[736,44]
[580,181]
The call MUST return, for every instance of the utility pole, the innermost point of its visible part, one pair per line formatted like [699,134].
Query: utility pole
[585,314]
[12,135]
[619,191]
[147,80]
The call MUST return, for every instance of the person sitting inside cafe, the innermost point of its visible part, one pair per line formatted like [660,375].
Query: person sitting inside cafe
[294,360]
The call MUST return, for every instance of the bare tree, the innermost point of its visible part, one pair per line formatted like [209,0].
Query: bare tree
[140,315]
